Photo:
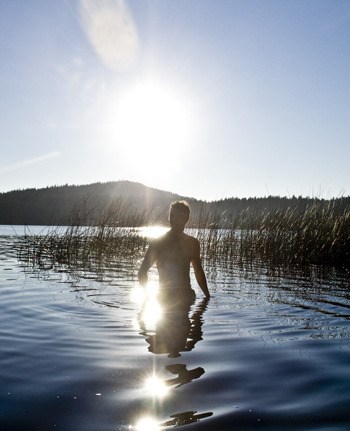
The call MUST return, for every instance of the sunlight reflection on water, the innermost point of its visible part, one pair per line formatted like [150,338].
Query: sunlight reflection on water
[264,347]
[151,311]
[152,231]
[147,423]
[156,387]
[137,295]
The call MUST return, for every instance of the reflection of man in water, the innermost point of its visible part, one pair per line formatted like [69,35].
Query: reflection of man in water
[176,331]
[173,254]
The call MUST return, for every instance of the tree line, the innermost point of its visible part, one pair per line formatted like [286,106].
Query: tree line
[125,203]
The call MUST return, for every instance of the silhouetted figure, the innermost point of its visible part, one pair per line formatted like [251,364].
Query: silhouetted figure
[173,254]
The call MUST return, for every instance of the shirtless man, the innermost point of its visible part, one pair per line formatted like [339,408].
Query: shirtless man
[173,253]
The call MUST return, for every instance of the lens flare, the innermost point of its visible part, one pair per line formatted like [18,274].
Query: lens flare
[111,31]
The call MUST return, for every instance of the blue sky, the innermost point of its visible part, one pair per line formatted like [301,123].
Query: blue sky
[208,99]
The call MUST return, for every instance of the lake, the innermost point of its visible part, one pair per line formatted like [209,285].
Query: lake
[83,350]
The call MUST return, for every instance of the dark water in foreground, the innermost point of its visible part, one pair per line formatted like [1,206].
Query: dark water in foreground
[79,352]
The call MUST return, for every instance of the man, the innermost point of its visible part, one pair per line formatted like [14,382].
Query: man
[173,254]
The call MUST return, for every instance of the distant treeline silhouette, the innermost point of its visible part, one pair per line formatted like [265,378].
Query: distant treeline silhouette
[125,203]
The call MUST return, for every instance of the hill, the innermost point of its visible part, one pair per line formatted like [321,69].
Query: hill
[130,201]
[125,203]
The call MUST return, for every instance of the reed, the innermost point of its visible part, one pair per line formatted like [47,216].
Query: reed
[78,244]
[317,235]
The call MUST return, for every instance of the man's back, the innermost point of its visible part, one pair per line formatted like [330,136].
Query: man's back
[173,256]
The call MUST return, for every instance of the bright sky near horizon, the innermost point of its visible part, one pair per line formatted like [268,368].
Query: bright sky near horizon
[208,99]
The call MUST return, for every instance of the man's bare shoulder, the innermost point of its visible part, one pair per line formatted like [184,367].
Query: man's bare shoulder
[192,242]
[169,239]
[161,239]
[160,242]
[191,238]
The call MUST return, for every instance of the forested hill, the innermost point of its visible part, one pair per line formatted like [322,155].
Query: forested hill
[125,203]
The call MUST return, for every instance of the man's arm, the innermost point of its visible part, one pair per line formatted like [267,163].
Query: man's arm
[199,272]
[148,261]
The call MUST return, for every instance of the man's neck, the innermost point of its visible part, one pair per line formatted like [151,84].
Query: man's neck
[176,231]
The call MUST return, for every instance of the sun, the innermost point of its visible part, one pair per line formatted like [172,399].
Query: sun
[153,128]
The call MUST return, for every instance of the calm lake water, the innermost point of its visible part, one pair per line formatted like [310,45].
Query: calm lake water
[81,351]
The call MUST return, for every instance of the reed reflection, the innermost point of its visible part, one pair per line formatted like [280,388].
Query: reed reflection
[185,418]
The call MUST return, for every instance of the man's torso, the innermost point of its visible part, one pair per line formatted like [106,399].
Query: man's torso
[174,254]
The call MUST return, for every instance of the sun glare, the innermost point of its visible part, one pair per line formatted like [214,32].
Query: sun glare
[156,387]
[152,231]
[152,126]
[147,424]
[137,295]
[151,313]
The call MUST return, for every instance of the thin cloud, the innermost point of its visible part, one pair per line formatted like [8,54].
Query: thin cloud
[24,163]
[111,31]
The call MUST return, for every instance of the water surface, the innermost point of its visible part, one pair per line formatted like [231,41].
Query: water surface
[79,350]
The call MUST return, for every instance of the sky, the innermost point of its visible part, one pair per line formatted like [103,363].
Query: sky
[207,99]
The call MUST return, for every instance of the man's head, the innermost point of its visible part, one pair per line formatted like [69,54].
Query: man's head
[179,214]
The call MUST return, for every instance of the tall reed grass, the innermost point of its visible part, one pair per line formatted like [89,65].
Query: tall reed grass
[79,244]
[318,235]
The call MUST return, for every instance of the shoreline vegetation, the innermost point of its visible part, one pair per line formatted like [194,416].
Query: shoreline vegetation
[318,234]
